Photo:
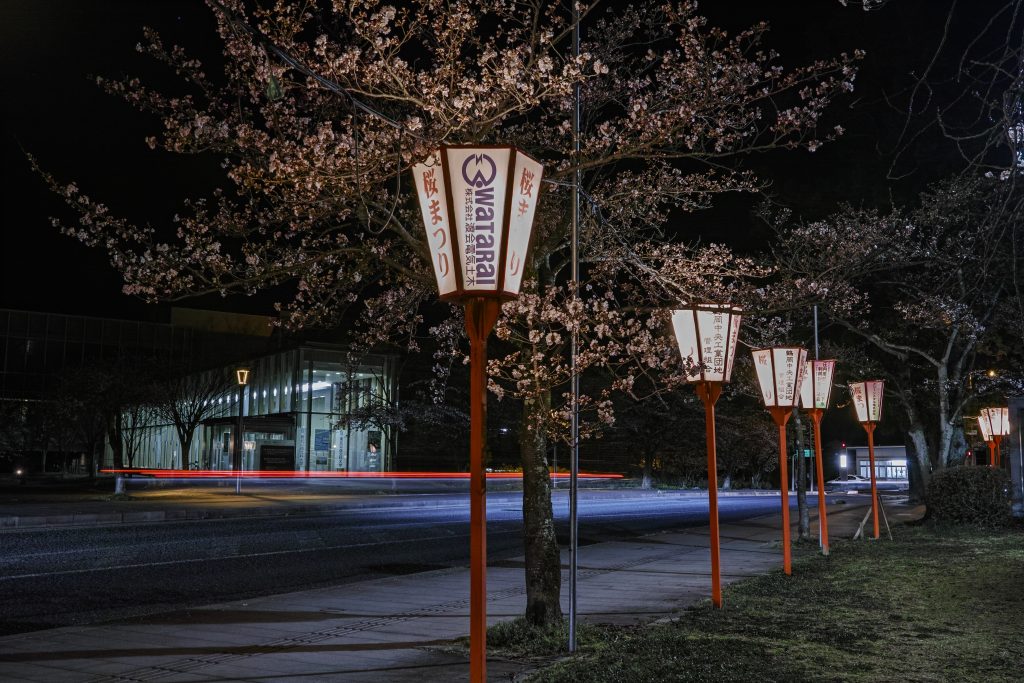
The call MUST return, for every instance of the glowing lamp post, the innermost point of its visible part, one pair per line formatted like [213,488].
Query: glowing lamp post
[707,335]
[780,374]
[814,394]
[997,424]
[242,375]
[478,204]
[867,400]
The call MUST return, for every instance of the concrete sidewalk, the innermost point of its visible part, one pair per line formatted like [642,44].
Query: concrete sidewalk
[182,504]
[390,629]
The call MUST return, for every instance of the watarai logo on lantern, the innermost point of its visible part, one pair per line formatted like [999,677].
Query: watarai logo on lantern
[479,172]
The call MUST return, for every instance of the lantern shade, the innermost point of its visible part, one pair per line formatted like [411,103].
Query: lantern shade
[707,336]
[867,399]
[985,427]
[998,420]
[478,205]
[780,373]
[242,375]
[817,384]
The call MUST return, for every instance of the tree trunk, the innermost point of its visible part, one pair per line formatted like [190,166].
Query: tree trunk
[543,561]
[90,457]
[647,478]
[920,469]
[959,453]
[804,526]
[114,436]
[185,441]
[945,428]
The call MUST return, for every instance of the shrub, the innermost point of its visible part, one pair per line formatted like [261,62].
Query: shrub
[978,496]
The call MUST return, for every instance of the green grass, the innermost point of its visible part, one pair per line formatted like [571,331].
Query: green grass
[518,639]
[933,605]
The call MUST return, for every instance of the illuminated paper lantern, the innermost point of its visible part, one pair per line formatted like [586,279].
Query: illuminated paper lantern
[780,374]
[478,204]
[867,399]
[707,335]
[998,422]
[817,384]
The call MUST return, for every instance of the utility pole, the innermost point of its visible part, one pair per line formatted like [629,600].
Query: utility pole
[574,427]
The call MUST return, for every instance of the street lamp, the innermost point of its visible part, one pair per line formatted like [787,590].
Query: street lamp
[478,204]
[998,420]
[707,334]
[780,374]
[242,375]
[814,395]
[867,400]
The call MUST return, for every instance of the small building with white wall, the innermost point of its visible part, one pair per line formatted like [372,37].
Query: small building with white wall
[890,462]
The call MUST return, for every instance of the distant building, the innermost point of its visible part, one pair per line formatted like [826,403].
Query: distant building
[890,462]
[36,348]
[297,407]
[296,416]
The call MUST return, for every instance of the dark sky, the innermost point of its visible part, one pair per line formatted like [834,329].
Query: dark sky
[53,110]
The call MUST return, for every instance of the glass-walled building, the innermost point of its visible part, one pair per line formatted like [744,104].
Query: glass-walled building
[309,409]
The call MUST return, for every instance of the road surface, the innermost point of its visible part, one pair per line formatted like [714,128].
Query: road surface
[65,576]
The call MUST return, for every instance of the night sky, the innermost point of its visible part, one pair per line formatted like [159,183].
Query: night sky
[52,109]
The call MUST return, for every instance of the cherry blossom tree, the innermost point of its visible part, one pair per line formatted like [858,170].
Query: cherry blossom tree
[919,289]
[185,399]
[320,109]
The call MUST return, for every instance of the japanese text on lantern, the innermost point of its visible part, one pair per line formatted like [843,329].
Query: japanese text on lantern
[789,378]
[822,382]
[525,190]
[718,347]
[734,333]
[431,192]
[525,185]
[763,366]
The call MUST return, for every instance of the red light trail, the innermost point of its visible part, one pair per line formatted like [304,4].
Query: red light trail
[297,474]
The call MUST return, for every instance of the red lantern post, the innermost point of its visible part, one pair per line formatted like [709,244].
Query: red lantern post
[707,335]
[478,205]
[998,420]
[814,395]
[867,401]
[780,374]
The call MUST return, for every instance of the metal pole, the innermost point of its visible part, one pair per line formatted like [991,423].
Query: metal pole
[815,331]
[481,314]
[574,427]
[822,515]
[237,455]
[822,524]
[870,428]
[709,393]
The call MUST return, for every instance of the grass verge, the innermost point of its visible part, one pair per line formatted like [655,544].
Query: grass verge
[934,605]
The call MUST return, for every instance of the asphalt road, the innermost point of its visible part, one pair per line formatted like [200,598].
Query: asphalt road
[67,576]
